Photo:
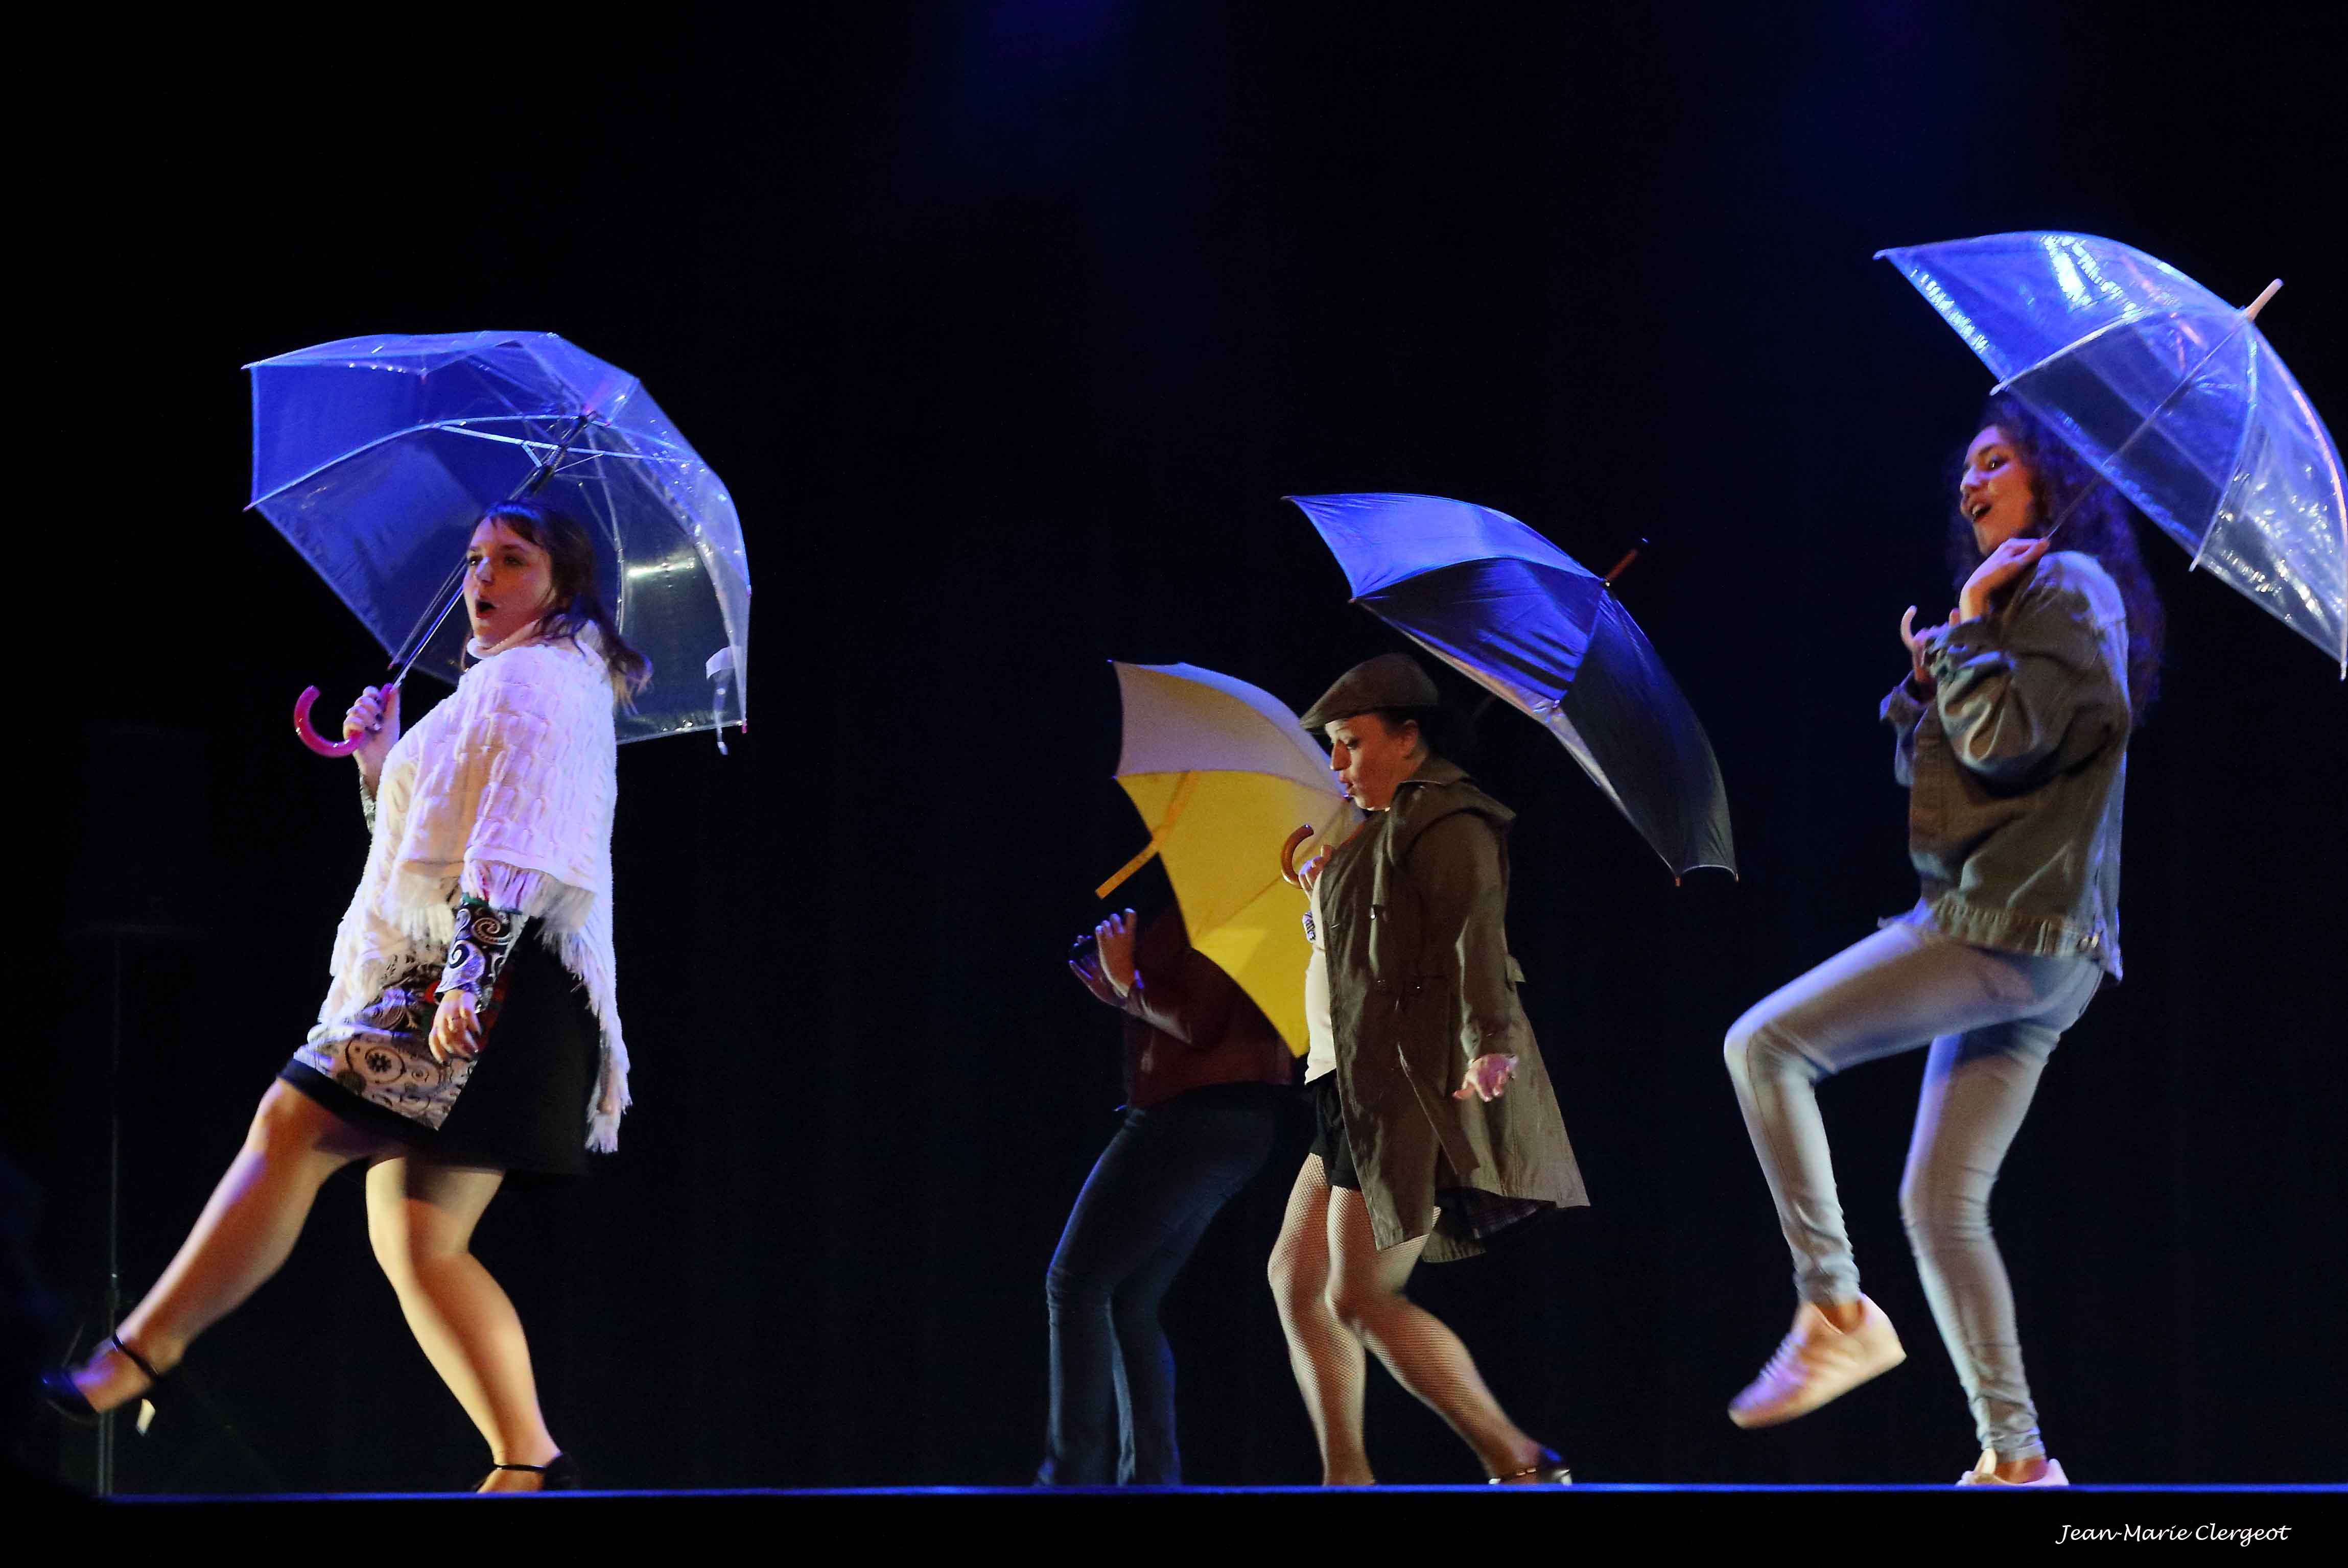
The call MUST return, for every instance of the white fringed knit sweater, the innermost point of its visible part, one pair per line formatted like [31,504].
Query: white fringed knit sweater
[504,791]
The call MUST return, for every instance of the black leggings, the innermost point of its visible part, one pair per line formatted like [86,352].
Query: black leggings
[1150,1197]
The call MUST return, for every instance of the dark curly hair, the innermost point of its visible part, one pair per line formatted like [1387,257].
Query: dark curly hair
[2091,517]
[571,564]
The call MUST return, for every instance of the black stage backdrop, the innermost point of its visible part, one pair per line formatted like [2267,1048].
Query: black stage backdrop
[1009,325]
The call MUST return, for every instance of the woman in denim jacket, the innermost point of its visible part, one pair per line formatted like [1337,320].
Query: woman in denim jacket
[2013,728]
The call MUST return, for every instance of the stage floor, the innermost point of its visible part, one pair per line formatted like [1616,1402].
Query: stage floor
[1241,1522]
[1134,1493]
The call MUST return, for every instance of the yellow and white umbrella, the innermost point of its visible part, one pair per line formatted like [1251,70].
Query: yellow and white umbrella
[1222,772]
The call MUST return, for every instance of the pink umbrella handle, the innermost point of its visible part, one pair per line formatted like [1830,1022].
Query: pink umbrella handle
[311,738]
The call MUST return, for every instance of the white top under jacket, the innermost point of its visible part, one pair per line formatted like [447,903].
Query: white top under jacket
[1320,1031]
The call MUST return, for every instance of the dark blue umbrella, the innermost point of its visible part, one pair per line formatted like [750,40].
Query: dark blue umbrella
[1527,623]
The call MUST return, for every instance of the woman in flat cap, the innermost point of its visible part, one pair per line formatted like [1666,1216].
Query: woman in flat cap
[1437,1124]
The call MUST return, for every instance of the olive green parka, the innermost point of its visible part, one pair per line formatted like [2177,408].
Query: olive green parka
[1413,919]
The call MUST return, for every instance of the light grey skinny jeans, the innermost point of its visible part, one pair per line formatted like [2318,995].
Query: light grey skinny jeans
[1991,1019]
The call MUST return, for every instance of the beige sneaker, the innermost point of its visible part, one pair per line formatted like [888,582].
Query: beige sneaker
[1985,1473]
[1818,1362]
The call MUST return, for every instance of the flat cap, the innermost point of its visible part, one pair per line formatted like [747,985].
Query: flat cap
[1389,680]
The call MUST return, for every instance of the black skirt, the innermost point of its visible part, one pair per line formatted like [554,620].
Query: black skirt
[1487,1216]
[523,1109]
[1329,1139]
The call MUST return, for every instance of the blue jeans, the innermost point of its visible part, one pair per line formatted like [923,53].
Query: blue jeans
[1150,1197]
[1991,1020]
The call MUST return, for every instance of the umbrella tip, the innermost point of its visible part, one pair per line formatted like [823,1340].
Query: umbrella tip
[1624,565]
[2251,311]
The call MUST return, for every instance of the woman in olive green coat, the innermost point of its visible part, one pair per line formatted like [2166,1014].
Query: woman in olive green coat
[1437,1127]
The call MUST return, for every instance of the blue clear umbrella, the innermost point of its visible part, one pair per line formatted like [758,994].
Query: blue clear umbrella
[1523,620]
[2173,394]
[375,457]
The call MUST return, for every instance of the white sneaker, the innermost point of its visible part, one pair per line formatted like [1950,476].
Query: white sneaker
[1818,1362]
[1985,1473]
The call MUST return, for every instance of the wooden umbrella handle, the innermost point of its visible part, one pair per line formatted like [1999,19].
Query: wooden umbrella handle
[1288,855]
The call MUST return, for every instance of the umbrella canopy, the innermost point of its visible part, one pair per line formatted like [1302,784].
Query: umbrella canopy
[375,457]
[2173,394]
[1222,772]
[1526,622]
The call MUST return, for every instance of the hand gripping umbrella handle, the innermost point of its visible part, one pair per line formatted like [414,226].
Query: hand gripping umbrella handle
[342,748]
[311,738]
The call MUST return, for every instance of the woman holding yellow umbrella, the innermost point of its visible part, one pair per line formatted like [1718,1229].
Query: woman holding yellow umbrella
[1213,764]
[1205,1074]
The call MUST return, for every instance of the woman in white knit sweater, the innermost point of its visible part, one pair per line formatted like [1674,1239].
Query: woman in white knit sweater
[471,1031]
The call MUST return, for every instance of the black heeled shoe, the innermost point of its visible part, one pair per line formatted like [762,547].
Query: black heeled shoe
[1549,1469]
[58,1387]
[561,1473]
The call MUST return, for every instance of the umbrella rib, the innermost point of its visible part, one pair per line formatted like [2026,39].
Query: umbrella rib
[1305,749]
[1174,809]
[465,427]
[382,440]
[1277,729]
[461,427]
[386,439]
[611,521]
[449,427]
[2174,312]
[2233,462]
[1564,563]
[2183,383]
[1313,783]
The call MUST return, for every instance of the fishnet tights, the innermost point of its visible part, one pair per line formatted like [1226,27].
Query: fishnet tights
[1338,1294]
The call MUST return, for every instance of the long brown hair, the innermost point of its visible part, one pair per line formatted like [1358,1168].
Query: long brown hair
[570,565]
[2093,519]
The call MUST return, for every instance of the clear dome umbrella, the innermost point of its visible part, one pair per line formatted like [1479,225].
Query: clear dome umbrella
[375,456]
[2173,394]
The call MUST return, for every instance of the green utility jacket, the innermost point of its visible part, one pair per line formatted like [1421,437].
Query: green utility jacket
[2016,763]
[1421,983]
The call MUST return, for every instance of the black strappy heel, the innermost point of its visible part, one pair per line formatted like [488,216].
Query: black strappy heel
[1550,1470]
[561,1473]
[58,1387]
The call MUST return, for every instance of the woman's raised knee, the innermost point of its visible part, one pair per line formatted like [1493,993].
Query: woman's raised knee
[1755,1043]
[1067,1284]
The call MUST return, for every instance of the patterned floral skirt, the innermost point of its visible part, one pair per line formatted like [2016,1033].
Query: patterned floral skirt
[520,1106]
